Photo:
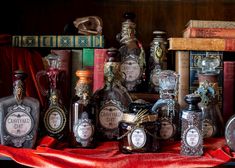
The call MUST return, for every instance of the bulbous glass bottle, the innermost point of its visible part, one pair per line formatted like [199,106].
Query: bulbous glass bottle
[112,100]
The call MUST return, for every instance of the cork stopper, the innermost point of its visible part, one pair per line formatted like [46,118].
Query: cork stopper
[84,75]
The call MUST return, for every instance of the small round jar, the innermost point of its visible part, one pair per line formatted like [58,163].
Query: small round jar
[138,130]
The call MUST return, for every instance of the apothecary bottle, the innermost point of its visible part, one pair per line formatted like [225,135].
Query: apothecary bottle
[82,114]
[167,106]
[19,115]
[112,100]
[157,59]
[138,129]
[191,129]
[213,124]
[55,116]
[133,61]
[229,132]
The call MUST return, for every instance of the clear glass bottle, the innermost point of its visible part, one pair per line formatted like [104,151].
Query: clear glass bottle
[229,132]
[133,56]
[82,115]
[138,129]
[167,106]
[191,133]
[157,59]
[55,117]
[112,100]
[213,124]
[19,115]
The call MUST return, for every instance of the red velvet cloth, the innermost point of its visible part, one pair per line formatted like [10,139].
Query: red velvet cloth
[49,153]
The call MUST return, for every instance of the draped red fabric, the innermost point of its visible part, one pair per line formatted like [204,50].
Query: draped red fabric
[20,58]
[49,153]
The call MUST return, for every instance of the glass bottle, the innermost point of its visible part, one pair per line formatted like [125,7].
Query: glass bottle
[191,133]
[229,132]
[19,115]
[167,106]
[132,56]
[112,100]
[157,59]
[213,124]
[138,129]
[55,118]
[82,115]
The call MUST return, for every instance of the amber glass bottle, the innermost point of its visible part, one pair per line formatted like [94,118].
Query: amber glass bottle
[112,100]
[82,115]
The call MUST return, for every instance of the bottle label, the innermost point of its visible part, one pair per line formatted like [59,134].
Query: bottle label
[167,129]
[110,116]
[55,119]
[138,138]
[130,70]
[154,78]
[18,122]
[192,137]
[84,129]
[208,129]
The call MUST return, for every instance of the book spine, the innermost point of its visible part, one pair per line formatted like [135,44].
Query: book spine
[209,32]
[88,60]
[195,57]
[182,68]
[75,65]
[59,41]
[202,44]
[211,24]
[99,60]
[229,89]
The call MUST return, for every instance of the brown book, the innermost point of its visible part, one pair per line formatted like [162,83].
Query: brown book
[229,89]
[209,32]
[211,24]
[182,68]
[202,44]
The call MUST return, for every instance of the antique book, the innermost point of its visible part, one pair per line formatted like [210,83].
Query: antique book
[209,32]
[211,24]
[76,64]
[196,56]
[202,44]
[88,60]
[99,60]
[182,68]
[229,89]
[58,41]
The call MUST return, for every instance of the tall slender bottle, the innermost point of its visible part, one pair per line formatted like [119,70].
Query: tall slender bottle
[82,116]
[132,56]
[19,115]
[55,117]
[112,100]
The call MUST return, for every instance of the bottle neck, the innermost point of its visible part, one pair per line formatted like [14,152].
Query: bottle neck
[83,90]
[19,90]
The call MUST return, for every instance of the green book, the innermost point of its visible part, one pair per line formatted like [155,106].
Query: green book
[58,41]
[88,58]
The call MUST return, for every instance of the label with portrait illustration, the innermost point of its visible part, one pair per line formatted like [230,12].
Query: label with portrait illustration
[130,70]
[18,122]
[167,129]
[138,138]
[192,137]
[110,116]
[208,128]
[55,119]
[154,77]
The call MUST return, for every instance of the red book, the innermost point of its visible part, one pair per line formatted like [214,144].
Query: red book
[99,60]
[229,89]
[209,32]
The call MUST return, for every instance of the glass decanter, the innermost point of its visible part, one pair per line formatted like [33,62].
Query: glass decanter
[19,115]
[213,124]
[157,59]
[82,114]
[132,56]
[55,115]
[112,100]
[167,106]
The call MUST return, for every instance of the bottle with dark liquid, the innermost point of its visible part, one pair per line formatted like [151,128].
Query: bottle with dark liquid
[19,116]
[112,100]
[82,116]
[55,118]
[132,55]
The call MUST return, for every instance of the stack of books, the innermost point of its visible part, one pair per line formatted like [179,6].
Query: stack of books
[200,39]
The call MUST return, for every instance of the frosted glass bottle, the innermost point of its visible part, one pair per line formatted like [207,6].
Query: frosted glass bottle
[19,116]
